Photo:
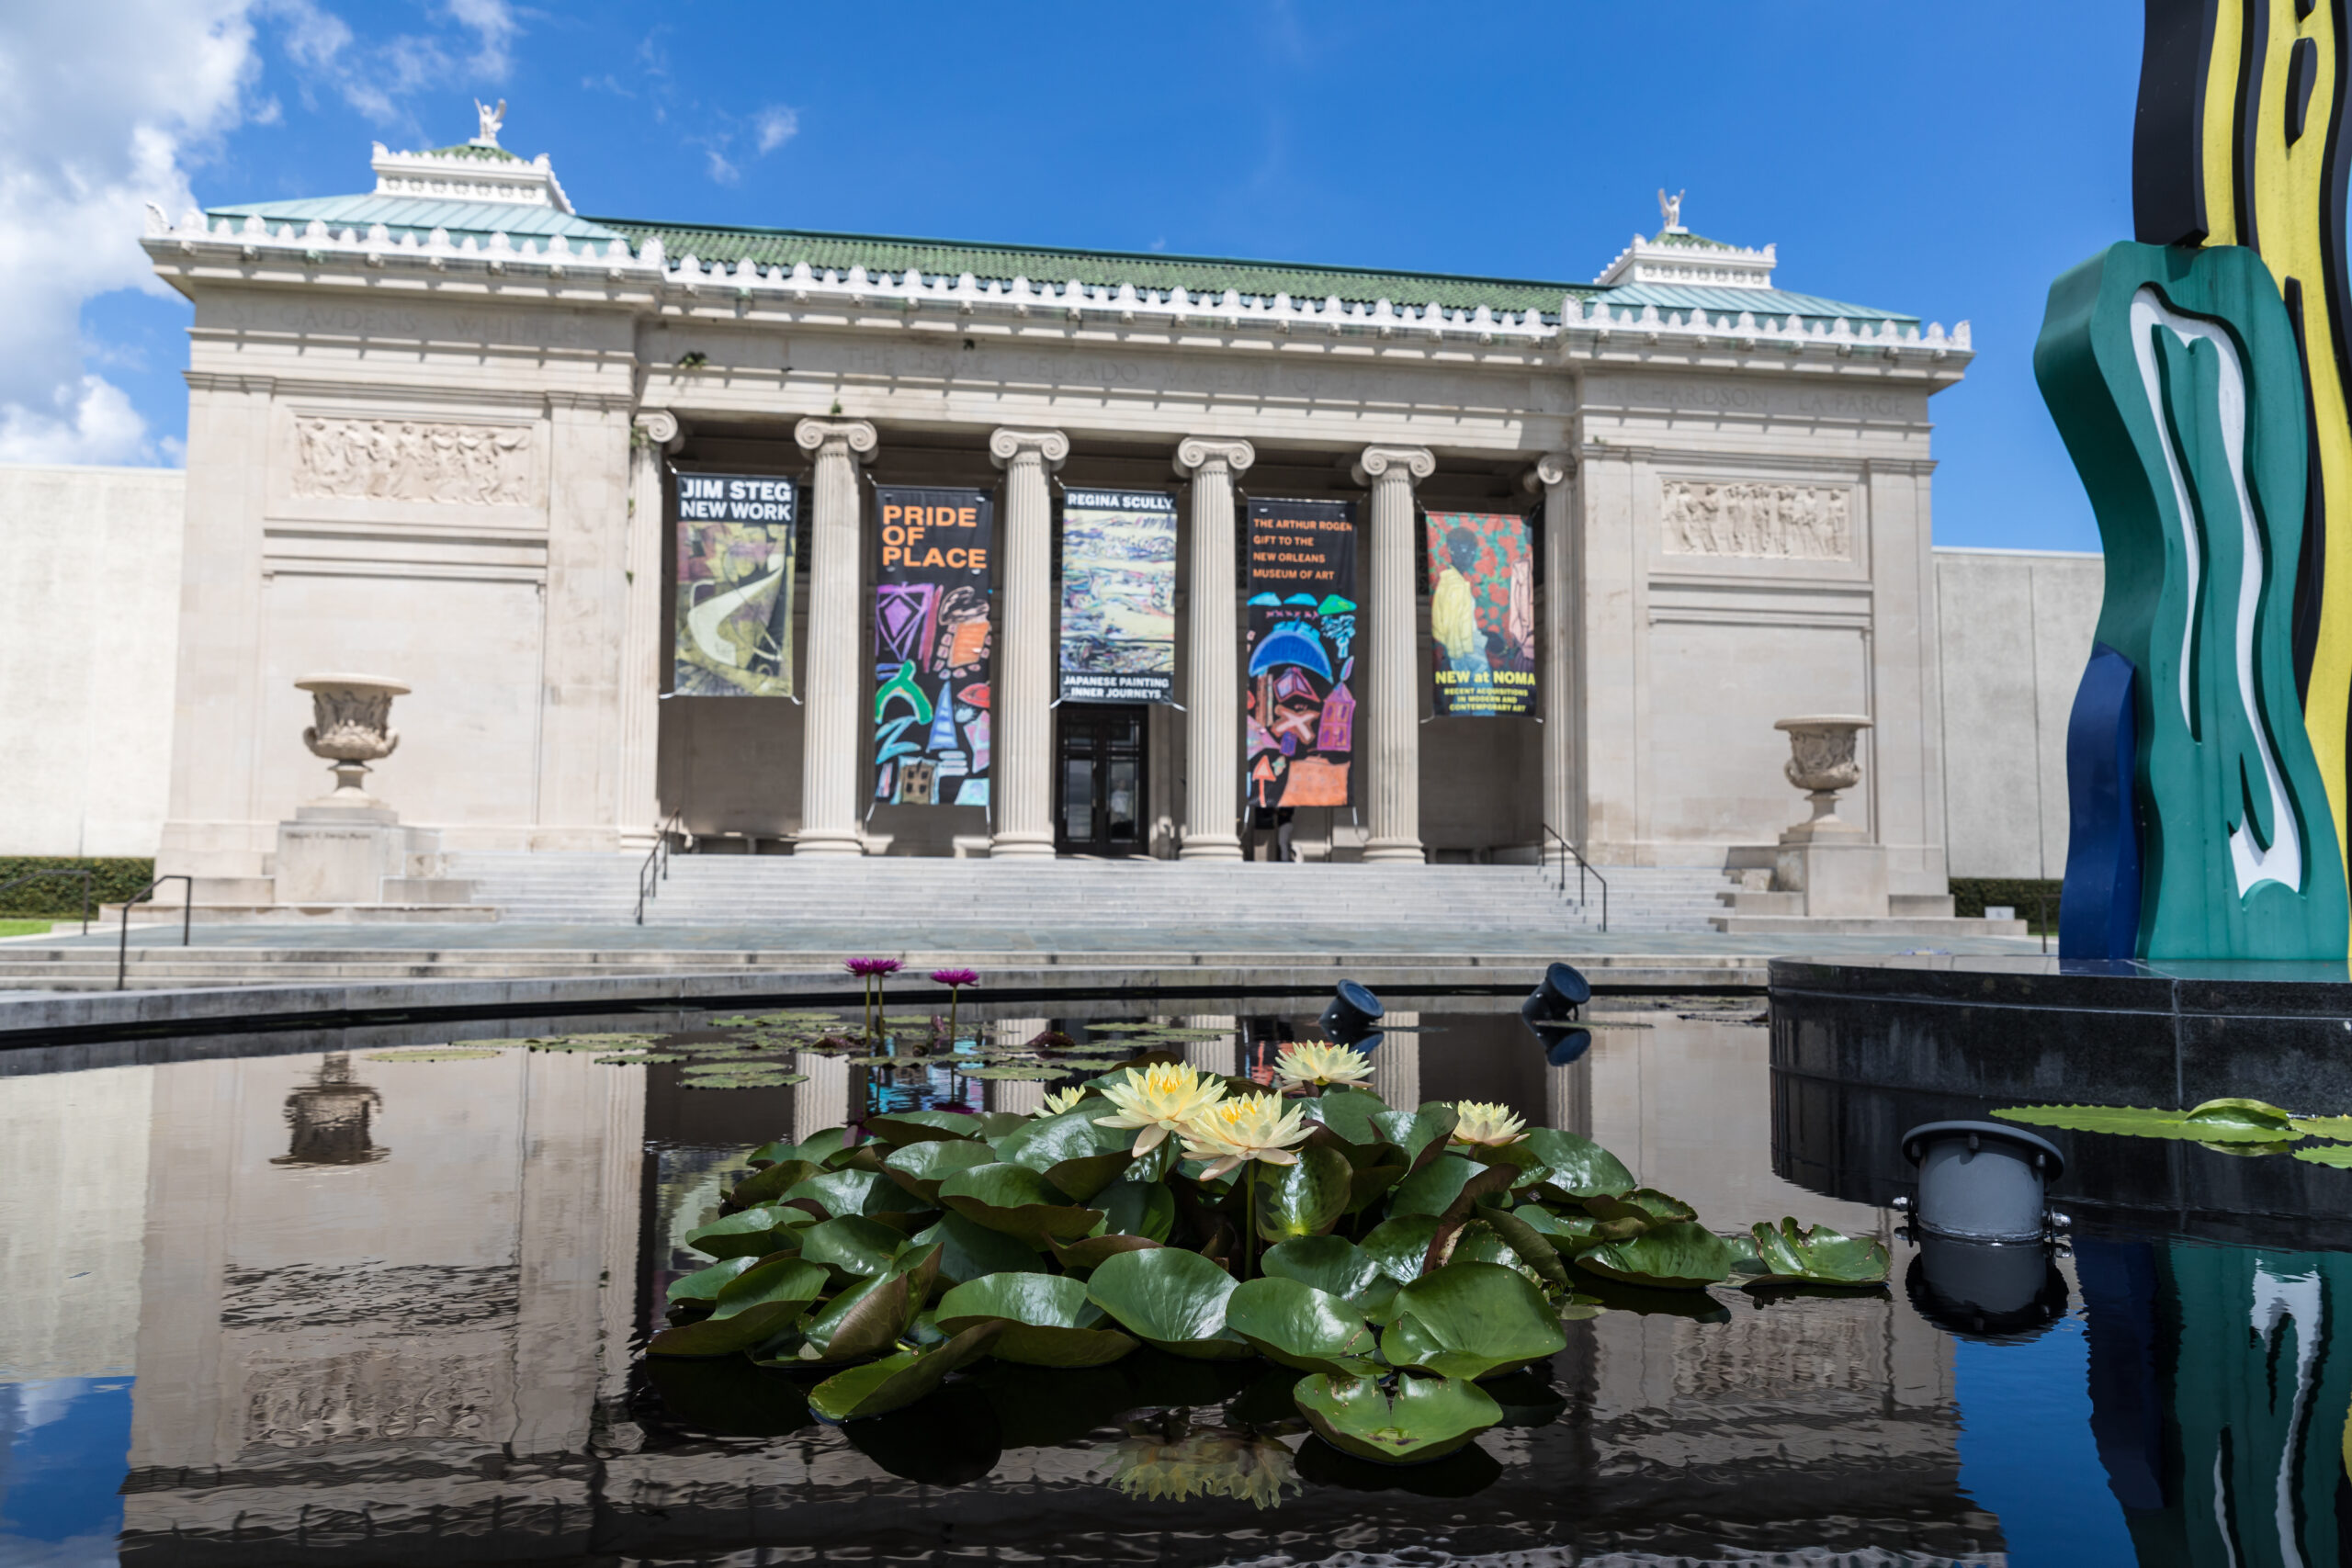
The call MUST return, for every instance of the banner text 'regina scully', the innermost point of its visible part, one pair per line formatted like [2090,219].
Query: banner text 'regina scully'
[904,540]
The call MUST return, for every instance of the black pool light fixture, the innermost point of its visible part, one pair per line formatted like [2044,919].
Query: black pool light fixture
[1354,1017]
[1985,1268]
[1551,1011]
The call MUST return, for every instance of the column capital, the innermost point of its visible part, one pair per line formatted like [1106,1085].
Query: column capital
[1006,445]
[1550,469]
[855,434]
[1199,451]
[659,427]
[1414,463]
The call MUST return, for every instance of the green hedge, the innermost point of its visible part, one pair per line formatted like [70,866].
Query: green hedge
[112,880]
[2023,894]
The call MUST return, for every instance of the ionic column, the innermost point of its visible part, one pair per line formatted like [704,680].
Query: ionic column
[1555,476]
[829,749]
[1212,693]
[1390,692]
[1024,791]
[654,434]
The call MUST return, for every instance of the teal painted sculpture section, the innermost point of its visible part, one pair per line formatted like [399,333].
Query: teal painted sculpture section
[2172,375]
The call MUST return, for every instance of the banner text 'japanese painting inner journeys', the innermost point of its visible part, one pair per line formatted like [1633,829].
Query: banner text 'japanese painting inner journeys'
[1482,614]
[1118,596]
[1302,632]
[932,648]
[734,631]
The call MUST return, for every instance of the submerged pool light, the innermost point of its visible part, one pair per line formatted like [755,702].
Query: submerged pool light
[1982,1220]
[1551,1010]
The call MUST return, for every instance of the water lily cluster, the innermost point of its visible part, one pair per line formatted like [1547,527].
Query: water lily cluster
[1388,1268]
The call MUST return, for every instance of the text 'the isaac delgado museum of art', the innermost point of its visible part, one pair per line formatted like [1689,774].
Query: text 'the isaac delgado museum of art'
[833,544]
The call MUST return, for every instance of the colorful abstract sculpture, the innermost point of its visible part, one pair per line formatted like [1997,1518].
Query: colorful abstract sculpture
[2171,373]
[2198,378]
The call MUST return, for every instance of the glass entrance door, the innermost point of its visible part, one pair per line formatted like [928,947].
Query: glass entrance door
[1099,808]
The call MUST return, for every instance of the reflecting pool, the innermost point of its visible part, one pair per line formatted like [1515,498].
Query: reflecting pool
[294,1300]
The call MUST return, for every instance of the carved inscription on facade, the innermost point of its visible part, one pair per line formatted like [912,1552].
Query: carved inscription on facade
[405,460]
[1773,521]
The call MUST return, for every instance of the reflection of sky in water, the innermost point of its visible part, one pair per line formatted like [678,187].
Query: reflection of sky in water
[2026,1452]
[63,1443]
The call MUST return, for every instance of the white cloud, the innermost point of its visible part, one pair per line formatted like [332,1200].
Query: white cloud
[103,106]
[774,126]
[376,77]
[722,171]
[494,28]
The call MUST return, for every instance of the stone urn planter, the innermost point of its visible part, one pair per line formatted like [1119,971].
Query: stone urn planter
[351,727]
[1821,762]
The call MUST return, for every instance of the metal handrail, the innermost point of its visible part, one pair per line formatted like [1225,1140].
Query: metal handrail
[656,867]
[123,947]
[81,872]
[1584,868]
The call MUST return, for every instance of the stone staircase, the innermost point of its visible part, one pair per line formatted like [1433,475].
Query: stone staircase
[1463,902]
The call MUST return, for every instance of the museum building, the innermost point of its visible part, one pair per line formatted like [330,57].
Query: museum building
[835,543]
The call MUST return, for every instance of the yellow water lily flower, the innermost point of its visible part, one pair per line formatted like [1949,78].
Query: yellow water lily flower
[1159,1099]
[1483,1122]
[1312,1062]
[1059,1101]
[1255,1126]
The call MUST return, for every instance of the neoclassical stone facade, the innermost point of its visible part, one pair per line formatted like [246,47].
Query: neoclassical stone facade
[435,428]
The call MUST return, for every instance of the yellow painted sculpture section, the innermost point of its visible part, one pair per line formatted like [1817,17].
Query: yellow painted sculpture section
[2272,180]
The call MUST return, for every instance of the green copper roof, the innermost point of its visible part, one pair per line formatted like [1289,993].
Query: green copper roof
[476,150]
[421,216]
[1043,264]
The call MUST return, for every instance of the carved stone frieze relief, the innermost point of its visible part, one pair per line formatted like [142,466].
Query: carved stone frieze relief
[1758,519]
[412,459]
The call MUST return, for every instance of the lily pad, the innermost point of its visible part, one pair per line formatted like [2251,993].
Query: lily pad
[1532,1246]
[1017,1201]
[1134,1208]
[898,1381]
[702,1285]
[867,1319]
[1574,1164]
[1420,1420]
[2214,1122]
[753,1233]
[1646,1206]
[816,1148]
[1015,1072]
[904,1127]
[1329,1263]
[2338,1127]
[973,1252]
[1471,1320]
[2337,1155]
[1048,1141]
[1081,1180]
[1418,1132]
[433,1053]
[1681,1255]
[1401,1245]
[1432,1189]
[1817,1256]
[753,1308]
[1305,1198]
[1049,1321]
[864,1192]
[771,1183]
[858,1249]
[1093,1251]
[920,1167]
[1299,1326]
[639,1059]
[1173,1298]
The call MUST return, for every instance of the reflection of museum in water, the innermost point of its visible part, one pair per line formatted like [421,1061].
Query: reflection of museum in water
[436,432]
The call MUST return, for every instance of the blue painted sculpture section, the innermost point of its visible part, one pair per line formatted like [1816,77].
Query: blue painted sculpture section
[2098,917]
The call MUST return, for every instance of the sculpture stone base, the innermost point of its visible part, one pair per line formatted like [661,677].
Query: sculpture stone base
[1835,876]
[334,853]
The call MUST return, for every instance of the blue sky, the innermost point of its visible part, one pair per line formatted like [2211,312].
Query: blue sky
[1946,160]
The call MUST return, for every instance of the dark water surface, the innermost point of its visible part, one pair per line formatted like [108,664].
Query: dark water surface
[301,1305]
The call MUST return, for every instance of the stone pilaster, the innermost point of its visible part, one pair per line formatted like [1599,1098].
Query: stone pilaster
[1023,790]
[1392,787]
[830,737]
[1211,685]
[1554,477]
[653,436]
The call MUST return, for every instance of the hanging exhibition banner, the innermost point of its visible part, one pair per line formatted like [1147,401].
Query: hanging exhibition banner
[1482,614]
[932,646]
[734,612]
[1300,702]
[1118,596]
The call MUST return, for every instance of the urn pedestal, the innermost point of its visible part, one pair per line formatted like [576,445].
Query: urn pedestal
[1827,860]
[346,847]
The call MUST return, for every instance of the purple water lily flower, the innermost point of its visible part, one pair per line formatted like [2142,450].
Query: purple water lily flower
[872,970]
[870,966]
[954,980]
